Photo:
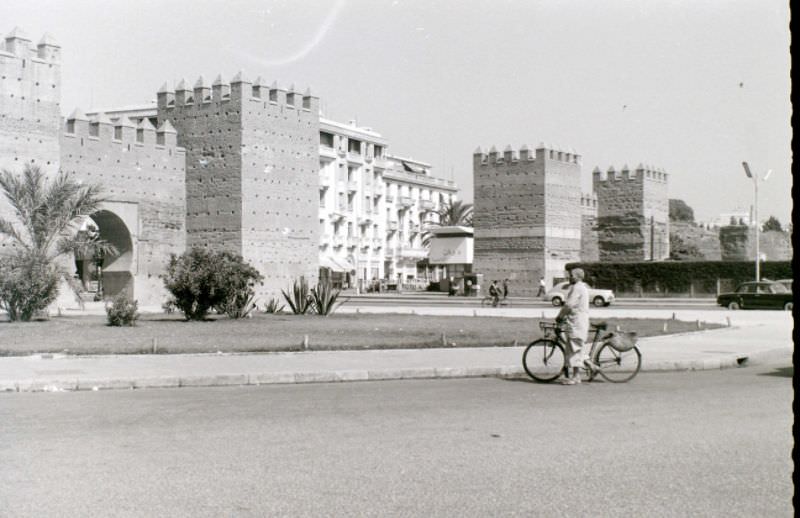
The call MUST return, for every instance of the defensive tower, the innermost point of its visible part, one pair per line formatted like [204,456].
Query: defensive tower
[527,214]
[252,161]
[632,213]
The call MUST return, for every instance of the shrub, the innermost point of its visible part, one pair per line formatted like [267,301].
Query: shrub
[28,284]
[273,307]
[323,298]
[298,297]
[123,311]
[200,280]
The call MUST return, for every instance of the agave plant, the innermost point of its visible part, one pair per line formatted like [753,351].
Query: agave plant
[324,298]
[298,297]
[273,306]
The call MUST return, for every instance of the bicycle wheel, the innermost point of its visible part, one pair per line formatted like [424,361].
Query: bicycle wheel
[543,360]
[618,366]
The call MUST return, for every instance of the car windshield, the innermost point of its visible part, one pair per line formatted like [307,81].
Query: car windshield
[780,288]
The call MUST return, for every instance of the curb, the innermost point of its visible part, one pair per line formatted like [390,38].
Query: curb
[342,376]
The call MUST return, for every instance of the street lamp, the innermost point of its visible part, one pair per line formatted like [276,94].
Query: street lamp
[755,179]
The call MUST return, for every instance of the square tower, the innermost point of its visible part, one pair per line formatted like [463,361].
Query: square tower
[252,159]
[527,215]
[632,214]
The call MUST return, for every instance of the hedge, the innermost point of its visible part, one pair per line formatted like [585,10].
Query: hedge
[676,276]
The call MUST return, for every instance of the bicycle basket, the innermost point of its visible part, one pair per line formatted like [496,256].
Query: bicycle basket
[621,341]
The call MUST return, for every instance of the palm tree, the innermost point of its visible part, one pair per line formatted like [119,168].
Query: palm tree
[47,213]
[455,213]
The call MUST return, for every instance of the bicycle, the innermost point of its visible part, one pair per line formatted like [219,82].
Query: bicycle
[488,301]
[544,359]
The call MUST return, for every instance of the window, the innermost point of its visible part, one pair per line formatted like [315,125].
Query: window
[322,199]
[71,126]
[139,135]
[94,129]
[326,139]
[273,96]
[354,146]
[117,132]
[378,151]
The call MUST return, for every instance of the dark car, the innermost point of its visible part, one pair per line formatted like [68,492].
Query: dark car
[787,283]
[757,295]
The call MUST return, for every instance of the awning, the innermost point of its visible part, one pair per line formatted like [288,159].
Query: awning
[335,264]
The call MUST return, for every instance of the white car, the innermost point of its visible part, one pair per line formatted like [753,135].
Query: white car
[558,294]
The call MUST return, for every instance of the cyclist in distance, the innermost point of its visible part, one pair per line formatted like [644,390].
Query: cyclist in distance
[574,315]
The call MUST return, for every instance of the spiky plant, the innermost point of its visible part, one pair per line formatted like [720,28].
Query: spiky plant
[298,297]
[324,298]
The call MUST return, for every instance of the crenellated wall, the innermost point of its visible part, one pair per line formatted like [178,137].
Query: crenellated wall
[30,97]
[252,159]
[632,206]
[527,215]
[142,173]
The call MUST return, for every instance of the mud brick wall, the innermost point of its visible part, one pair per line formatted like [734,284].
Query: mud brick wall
[526,215]
[280,185]
[590,251]
[252,159]
[30,107]
[737,243]
[138,171]
[626,201]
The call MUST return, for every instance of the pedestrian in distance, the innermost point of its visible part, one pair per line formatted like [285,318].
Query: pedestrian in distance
[574,316]
[505,288]
[494,293]
[542,287]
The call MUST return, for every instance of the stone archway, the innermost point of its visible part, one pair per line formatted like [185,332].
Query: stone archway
[115,271]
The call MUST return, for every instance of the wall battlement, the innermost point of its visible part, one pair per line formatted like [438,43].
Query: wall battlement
[121,132]
[237,90]
[18,45]
[640,173]
[542,152]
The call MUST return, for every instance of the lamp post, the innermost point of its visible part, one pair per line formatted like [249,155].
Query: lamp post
[755,179]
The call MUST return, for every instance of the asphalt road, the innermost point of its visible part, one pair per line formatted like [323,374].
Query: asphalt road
[472,302]
[712,443]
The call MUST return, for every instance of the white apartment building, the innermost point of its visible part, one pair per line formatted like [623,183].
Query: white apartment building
[373,209]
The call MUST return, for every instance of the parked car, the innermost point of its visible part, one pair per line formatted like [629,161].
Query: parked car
[758,295]
[558,294]
[787,283]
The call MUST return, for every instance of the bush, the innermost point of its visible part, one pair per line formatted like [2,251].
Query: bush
[200,280]
[28,285]
[298,297]
[122,312]
[273,307]
[323,298]
[676,277]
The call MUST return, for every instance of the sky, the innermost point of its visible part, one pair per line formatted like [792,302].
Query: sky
[693,87]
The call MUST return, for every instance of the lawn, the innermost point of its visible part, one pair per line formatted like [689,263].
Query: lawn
[268,332]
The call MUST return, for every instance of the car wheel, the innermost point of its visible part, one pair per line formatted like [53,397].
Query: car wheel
[734,305]
[788,306]
[557,301]
[598,301]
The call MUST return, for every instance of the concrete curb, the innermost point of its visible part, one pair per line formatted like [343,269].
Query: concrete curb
[342,376]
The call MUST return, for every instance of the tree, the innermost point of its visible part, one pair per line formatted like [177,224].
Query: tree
[47,214]
[455,213]
[772,224]
[681,250]
[680,211]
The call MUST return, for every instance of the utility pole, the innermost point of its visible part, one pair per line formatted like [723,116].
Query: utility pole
[652,237]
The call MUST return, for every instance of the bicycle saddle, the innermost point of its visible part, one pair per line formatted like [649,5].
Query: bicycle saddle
[602,326]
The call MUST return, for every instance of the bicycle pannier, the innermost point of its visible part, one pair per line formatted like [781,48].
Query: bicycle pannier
[622,341]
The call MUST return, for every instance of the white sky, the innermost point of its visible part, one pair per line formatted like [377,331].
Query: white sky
[691,86]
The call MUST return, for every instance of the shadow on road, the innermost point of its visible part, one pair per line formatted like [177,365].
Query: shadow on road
[781,372]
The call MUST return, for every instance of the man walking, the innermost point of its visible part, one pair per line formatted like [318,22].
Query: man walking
[542,286]
[574,315]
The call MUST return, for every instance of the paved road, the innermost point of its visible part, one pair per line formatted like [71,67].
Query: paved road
[674,444]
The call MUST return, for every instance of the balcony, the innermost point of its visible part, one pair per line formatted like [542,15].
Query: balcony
[352,242]
[426,204]
[389,198]
[377,242]
[413,252]
[324,181]
[391,226]
[352,186]
[339,241]
[406,201]
[355,158]
[327,153]
[337,214]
